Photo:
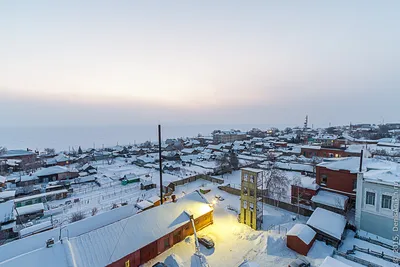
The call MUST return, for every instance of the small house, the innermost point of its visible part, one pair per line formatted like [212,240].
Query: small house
[155,200]
[328,225]
[144,205]
[7,195]
[30,212]
[7,219]
[300,238]
[147,185]
[330,201]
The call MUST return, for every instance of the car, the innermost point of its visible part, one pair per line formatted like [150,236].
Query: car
[160,264]
[299,263]
[219,198]
[206,241]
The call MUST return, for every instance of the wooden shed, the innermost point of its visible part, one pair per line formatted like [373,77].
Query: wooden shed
[300,238]
[328,225]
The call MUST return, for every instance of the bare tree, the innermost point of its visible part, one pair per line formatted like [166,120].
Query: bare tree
[77,216]
[3,150]
[299,195]
[4,235]
[224,164]
[314,162]
[110,160]
[234,161]
[94,211]
[276,183]
[50,151]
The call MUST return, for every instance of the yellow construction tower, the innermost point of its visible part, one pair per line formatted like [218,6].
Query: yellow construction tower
[251,204]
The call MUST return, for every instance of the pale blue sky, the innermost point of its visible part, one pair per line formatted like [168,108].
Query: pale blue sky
[214,62]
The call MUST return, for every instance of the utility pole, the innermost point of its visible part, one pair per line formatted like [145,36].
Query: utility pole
[160,161]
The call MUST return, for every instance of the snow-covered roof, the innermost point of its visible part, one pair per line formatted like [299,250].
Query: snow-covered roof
[7,194]
[85,179]
[41,195]
[43,257]
[30,209]
[146,159]
[2,179]
[108,244]
[16,153]
[215,147]
[383,176]
[295,166]
[29,177]
[51,171]
[330,199]
[83,174]
[328,222]
[352,164]
[356,148]
[187,150]
[153,199]
[35,228]
[311,147]
[331,262]
[144,205]
[16,251]
[7,211]
[302,231]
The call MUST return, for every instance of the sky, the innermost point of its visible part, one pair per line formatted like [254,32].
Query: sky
[71,63]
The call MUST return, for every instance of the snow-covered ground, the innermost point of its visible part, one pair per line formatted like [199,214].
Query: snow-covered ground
[235,242]
[89,196]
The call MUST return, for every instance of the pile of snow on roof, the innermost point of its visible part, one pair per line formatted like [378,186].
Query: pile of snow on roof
[302,231]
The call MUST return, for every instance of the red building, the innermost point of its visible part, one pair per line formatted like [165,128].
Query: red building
[304,194]
[338,176]
[300,238]
[322,152]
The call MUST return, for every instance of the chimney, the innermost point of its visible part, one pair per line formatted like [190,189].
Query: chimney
[361,160]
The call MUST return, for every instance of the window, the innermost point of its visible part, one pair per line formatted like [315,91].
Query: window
[245,177]
[166,242]
[244,204]
[252,179]
[251,206]
[354,185]
[252,192]
[127,263]
[244,190]
[370,198]
[386,202]
[324,179]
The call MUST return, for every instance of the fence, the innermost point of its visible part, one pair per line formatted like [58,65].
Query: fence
[278,229]
[356,259]
[381,255]
[272,202]
[375,242]
[197,177]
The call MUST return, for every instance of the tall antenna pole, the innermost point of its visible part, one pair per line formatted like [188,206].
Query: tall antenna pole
[159,154]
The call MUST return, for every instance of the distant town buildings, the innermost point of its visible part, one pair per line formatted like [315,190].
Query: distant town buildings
[228,136]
